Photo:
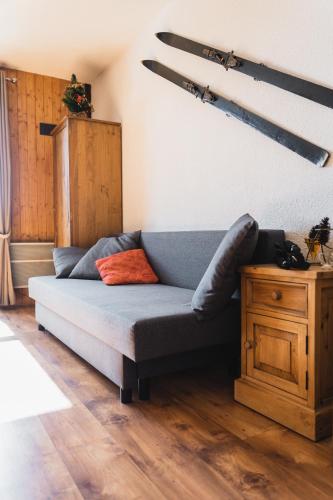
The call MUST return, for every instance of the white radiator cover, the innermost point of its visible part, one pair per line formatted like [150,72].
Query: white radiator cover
[30,259]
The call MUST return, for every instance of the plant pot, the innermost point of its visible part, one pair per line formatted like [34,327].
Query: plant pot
[80,114]
[314,248]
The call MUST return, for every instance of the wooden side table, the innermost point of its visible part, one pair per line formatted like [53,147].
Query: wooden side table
[287,347]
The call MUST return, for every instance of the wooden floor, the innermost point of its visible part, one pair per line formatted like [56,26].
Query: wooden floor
[190,441]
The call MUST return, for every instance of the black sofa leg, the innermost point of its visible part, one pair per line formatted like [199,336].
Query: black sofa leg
[144,389]
[234,366]
[125,395]
[41,328]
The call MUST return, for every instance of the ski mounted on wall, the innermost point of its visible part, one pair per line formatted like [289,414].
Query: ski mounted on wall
[260,72]
[310,151]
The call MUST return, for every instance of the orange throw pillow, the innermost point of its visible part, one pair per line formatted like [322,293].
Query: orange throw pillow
[126,267]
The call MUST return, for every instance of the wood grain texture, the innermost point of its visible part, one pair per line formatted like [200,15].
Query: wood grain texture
[33,99]
[61,188]
[287,347]
[88,183]
[290,298]
[190,441]
[22,297]
[277,355]
[326,346]
[290,275]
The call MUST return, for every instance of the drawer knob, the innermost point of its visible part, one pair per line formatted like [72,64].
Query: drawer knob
[276,295]
[248,344]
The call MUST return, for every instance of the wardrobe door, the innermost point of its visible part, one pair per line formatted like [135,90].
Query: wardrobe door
[95,180]
[62,216]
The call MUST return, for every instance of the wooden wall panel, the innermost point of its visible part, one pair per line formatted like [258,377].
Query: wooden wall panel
[33,99]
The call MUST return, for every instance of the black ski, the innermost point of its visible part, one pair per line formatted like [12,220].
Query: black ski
[260,72]
[310,151]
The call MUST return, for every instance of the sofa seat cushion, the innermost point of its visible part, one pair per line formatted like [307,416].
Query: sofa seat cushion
[140,321]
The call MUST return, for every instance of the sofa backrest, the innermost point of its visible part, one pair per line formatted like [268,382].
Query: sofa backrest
[180,258]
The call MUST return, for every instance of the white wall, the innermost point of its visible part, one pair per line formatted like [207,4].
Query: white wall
[185,164]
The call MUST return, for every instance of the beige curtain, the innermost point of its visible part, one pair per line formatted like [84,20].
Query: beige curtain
[7,295]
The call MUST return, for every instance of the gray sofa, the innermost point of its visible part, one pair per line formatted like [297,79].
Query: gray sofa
[133,332]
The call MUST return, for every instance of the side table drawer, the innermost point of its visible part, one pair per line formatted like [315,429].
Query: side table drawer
[279,296]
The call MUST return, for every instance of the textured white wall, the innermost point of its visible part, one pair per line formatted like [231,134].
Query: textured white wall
[186,165]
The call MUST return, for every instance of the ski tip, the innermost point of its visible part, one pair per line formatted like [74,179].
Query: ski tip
[321,162]
[148,63]
[161,35]
[154,66]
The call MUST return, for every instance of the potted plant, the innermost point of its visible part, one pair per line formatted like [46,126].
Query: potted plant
[317,239]
[76,99]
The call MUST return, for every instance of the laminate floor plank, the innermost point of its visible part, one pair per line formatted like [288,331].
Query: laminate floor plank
[304,462]
[30,466]
[102,471]
[233,459]
[86,382]
[232,416]
[160,454]
[191,441]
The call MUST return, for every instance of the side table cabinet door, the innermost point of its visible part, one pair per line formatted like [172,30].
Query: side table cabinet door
[276,353]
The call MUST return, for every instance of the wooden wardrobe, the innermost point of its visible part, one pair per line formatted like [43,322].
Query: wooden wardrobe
[87,181]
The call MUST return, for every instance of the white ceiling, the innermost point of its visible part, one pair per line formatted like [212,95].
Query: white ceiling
[62,37]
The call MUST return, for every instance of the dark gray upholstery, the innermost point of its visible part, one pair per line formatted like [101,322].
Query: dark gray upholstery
[181,258]
[153,325]
[86,268]
[65,259]
[265,250]
[140,321]
[108,361]
[220,280]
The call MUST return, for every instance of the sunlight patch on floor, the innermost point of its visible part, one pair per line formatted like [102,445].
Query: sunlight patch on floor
[25,388]
[5,331]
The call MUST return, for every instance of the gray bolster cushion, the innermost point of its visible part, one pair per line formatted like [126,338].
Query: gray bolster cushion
[86,268]
[221,277]
[65,259]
